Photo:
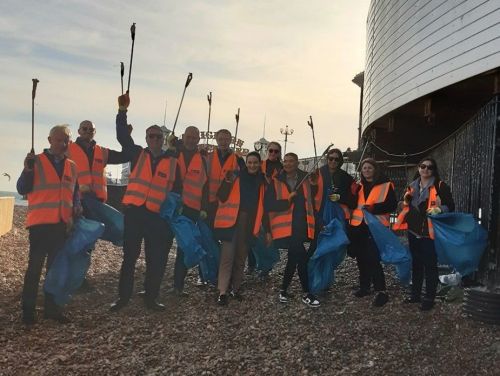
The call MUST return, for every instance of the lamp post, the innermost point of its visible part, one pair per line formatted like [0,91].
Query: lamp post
[287,132]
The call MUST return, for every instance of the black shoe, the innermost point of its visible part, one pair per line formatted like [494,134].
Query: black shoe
[155,306]
[412,299]
[222,300]
[28,318]
[427,305]
[362,292]
[142,293]
[380,299]
[57,316]
[119,304]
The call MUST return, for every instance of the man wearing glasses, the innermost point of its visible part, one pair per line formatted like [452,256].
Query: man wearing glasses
[152,178]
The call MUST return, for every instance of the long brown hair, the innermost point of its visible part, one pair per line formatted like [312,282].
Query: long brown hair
[377,174]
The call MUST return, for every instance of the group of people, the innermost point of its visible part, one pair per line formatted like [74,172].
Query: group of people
[240,200]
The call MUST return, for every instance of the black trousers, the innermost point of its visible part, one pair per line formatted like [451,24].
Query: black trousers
[367,258]
[180,270]
[139,224]
[424,264]
[297,260]
[45,242]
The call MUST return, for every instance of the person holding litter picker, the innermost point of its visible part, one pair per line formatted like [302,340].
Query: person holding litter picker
[50,181]
[289,202]
[152,178]
[426,195]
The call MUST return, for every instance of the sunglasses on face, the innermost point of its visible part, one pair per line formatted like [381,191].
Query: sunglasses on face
[87,129]
[336,159]
[154,135]
[272,151]
[424,166]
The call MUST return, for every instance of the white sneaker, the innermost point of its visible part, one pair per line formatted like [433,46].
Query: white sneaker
[283,297]
[311,301]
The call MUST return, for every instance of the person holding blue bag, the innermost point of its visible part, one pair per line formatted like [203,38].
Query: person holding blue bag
[426,195]
[376,195]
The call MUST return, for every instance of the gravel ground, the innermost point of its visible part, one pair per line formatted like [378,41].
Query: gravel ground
[257,336]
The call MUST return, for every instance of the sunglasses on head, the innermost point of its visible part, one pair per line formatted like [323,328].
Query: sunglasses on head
[272,151]
[87,129]
[155,135]
[336,159]
[424,166]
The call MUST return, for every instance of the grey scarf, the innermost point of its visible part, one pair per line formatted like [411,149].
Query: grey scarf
[420,195]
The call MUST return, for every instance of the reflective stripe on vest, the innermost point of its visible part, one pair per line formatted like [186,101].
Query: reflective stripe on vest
[227,212]
[193,177]
[318,199]
[377,195]
[51,200]
[93,179]
[216,172]
[144,188]
[431,203]
[281,222]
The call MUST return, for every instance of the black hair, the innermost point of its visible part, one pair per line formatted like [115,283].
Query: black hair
[292,155]
[254,154]
[339,153]
[435,171]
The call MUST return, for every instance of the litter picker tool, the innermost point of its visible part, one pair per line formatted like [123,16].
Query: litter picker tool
[209,98]
[188,80]
[314,167]
[122,71]
[237,117]
[132,34]
[33,94]
[310,123]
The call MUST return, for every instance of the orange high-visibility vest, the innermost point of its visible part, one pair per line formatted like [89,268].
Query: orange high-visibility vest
[377,195]
[281,222]
[51,200]
[318,199]
[193,177]
[93,179]
[431,203]
[227,212]
[144,188]
[216,172]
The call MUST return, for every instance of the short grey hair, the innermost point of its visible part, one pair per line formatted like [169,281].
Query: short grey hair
[62,128]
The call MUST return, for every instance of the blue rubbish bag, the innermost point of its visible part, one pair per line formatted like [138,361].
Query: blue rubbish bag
[459,240]
[390,248]
[187,233]
[209,265]
[332,210]
[329,254]
[72,261]
[265,257]
[112,219]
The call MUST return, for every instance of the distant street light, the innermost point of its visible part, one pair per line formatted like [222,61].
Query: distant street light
[286,132]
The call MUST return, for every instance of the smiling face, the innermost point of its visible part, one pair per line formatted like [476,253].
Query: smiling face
[333,161]
[253,164]
[190,138]
[273,151]
[368,171]
[86,131]
[223,139]
[426,169]
[290,164]
[58,141]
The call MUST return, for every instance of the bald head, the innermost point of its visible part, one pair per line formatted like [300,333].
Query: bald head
[86,131]
[191,137]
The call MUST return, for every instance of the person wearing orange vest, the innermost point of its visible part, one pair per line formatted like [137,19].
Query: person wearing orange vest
[272,165]
[221,160]
[50,181]
[91,160]
[239,216]
[426,195]
[376,195]
[291,217]
[192,185]
[151,180]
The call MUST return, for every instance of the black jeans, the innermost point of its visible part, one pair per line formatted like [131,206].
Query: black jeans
[297,260]
[424,263]
[139,224]
[45,241]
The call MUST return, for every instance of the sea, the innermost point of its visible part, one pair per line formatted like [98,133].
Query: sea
[19,199]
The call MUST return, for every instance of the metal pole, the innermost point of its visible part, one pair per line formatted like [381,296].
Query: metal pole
[237,116]
[188,80]
[132,34]
[209,98]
